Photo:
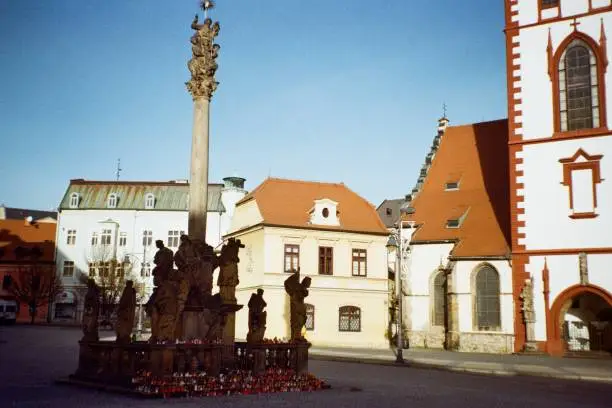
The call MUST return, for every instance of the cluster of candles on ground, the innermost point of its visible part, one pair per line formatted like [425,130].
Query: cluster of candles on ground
[218,341]
[198,384]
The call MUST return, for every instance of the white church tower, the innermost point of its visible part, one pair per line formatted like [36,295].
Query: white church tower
[560,144]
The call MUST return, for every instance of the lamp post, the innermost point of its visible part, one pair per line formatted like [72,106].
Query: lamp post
[396,242]
[126,259]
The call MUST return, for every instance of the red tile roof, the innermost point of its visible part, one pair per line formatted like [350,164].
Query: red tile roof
[287,203]
[18,233]
[476,156]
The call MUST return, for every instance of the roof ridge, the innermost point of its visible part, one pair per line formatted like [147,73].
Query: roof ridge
[305,181]
[476,123]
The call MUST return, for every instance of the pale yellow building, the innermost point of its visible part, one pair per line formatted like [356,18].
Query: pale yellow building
[335,237]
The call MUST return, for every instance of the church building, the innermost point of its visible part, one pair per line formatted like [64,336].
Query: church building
[457,269]
[560,152]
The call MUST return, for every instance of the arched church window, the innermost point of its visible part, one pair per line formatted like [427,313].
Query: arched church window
[578,87]
[487,299]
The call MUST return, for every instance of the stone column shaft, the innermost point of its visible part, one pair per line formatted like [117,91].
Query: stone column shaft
[198,187]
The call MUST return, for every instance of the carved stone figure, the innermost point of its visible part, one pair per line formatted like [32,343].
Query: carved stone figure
[297,292]
[257,318]
[228,270]
[126,313]
[202,65]
[196,261]
[163,259]
[91,312]
[584,268]
[529,315]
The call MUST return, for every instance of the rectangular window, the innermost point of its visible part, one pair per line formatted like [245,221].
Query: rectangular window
[174,238]
[94,239]
[92,269]
[452,223]
[292,258]
[389,212]
[123,239]
[105,238]
[147,238]
[71,237]
[451,186]
[120,270]
[360,261]
[310,316]
[145,271]
[326,260]
[104,269]
[549,3]
[68,268]
[582,191]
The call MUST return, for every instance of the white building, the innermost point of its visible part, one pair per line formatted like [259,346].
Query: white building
[560,167]
[121,220]
[457,272]
[335,237]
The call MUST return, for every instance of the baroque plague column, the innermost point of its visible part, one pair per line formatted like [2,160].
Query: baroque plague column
[202,85]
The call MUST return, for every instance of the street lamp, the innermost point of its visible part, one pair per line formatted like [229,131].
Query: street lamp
[126,259]
[396,242]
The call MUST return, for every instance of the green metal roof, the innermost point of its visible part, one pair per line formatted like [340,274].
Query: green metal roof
[169,196]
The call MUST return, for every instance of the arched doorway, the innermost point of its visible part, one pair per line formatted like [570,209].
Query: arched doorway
[581,321]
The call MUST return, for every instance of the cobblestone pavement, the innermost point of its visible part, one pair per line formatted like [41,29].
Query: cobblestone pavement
[31,358]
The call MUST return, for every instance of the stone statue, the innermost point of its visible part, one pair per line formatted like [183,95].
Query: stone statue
[529,315]
[91,312]
[202,65]
[297,292]
[196,261]
[126,313]
[228,270]
[527,298]
[257,318]
[163,259]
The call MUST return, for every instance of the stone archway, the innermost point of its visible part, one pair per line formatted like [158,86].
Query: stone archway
[595,300]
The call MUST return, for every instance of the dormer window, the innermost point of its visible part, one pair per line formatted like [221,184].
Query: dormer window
[325,212]
[112,201]
[149,201]
[453,223]
[389,212]
[456,222]
[74,200]
[451,185]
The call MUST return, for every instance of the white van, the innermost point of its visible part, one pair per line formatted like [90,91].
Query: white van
[8,311]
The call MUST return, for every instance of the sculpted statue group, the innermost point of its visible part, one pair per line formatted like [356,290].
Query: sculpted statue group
[189,288]
[202,64]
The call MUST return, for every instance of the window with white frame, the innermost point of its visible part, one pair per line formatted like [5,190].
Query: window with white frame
[145,271]
[112,201]
[94,239]
[74,200]
[147,238]
[106,237]
[149,201]
[92,269]
[360,262]
[68,268]
[174,238]
[71,237]
[122,239]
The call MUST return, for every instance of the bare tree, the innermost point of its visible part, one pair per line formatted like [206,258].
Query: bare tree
[36,284]
[110,274]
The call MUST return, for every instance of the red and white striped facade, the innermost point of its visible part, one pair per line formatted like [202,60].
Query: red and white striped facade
[560,146]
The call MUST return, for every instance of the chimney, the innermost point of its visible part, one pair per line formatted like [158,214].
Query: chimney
[442,124]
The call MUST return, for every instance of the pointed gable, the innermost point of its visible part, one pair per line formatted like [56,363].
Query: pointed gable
[465,196]
[290,203]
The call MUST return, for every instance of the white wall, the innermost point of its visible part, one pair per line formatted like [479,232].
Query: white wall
[547,201]
[535,83]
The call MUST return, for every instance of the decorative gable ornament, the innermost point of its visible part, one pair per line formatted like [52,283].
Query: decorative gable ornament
[325,212]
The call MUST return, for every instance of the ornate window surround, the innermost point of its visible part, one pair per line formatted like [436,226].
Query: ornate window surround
[599,50]
[591,163]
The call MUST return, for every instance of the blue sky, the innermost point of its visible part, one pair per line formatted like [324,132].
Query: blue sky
[328,90]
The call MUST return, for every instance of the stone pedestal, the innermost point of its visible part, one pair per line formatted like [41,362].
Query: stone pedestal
[530,342]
